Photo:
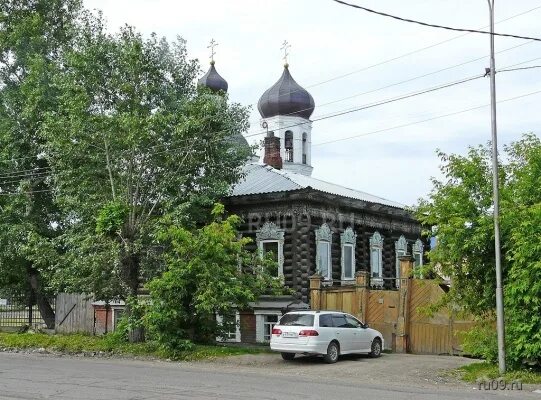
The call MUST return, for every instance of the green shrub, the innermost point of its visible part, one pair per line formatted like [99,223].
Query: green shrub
[482,342]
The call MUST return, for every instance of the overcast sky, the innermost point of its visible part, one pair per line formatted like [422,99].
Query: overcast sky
[330,40]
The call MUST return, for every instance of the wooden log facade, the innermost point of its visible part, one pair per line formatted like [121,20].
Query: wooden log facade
[300,213]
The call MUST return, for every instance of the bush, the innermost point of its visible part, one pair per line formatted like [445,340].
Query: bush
[482,342]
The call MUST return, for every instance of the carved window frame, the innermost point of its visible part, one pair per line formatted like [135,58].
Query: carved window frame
[324,235]
[271,233]
[348,239]
[401,249]
[417,250]
[376,243]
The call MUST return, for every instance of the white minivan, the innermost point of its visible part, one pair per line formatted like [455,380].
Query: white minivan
[327,333]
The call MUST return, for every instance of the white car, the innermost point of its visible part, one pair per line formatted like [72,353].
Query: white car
[327,333]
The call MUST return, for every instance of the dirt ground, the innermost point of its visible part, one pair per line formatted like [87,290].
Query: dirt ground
[398,370]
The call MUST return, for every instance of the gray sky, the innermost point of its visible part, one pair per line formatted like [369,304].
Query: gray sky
[329,40]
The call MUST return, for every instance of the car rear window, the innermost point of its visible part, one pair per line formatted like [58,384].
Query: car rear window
[297,320]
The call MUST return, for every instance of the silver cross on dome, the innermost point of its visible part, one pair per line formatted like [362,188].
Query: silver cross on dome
[212,46]
[285,47]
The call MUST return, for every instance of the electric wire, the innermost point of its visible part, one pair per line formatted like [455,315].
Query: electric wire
[435,25]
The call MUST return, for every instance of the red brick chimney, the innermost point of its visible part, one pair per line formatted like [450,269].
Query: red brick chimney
[272,151]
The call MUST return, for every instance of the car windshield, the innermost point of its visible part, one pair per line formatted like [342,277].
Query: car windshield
[297,320]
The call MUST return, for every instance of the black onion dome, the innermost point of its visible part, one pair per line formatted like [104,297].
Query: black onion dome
[286,97]
[213,80]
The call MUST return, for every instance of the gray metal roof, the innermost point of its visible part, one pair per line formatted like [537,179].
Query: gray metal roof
[261,179]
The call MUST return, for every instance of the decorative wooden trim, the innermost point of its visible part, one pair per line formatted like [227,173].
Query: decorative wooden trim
[348,239]
[270,233]
[401,249]
[324,234]
[376,243]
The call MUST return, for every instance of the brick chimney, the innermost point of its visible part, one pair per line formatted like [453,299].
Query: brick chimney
[272,151]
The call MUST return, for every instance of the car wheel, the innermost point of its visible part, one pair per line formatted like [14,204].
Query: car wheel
[333,351]
[288,356]
[376,348]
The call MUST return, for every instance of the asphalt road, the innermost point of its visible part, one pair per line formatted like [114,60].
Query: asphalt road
[34,376]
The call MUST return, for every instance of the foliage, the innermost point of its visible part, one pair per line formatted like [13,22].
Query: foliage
[488,371]
[209,273]
[33,36]
[113,345]
[459,209]
[132,140]
[482,341]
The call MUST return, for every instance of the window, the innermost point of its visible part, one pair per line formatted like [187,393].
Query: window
[376,262]
[418,255]
[352,322]
[270,239]
[288,145]
[325,321]
[268,323]
[401,248]
[231,326]
[339,321]
[348,240]
[297,320]
[323,252]
[304,147]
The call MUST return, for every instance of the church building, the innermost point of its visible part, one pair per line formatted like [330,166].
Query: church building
[310,225]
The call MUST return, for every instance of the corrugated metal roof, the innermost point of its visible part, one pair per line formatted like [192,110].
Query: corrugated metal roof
[261,179]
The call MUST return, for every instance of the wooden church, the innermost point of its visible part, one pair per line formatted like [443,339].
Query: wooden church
[312,226]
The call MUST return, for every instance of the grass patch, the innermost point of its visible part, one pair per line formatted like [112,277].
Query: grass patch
[488,371]
[77,343]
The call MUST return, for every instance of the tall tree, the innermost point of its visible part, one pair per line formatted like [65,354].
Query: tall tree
[33,36]
[460,210]
[134,140]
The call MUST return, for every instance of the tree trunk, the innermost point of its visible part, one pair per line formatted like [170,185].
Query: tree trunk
[131,269]
[44,306]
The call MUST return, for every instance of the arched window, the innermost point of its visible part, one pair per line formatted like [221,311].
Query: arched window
[304,148]
[376,259]
[348,240]
[288,145]
[323,252]
[401,248]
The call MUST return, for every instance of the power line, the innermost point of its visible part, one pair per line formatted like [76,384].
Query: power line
[424,120]
[519,69]
[434,25]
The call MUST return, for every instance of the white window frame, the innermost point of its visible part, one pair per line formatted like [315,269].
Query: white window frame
[270,233]
[260,317]
[376,243]
[348,239]
[418,248]
[401,249]
[237,338]
[324,235]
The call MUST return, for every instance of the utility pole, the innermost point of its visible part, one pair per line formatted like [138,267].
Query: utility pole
[500,323]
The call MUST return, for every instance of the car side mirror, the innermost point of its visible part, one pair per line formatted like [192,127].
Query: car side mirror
[365,326]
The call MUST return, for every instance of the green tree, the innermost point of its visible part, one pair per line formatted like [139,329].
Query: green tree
[133,140]
[33,36]
[209,273]
[459,209]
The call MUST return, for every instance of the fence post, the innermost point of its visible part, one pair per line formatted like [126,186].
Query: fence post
[30,304]
[315,291]
[361,289]
[402,324]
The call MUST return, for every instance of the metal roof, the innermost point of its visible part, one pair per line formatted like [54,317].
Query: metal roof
[260,178]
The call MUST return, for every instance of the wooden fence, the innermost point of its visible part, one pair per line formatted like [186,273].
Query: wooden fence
[74,313]
[400,315]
